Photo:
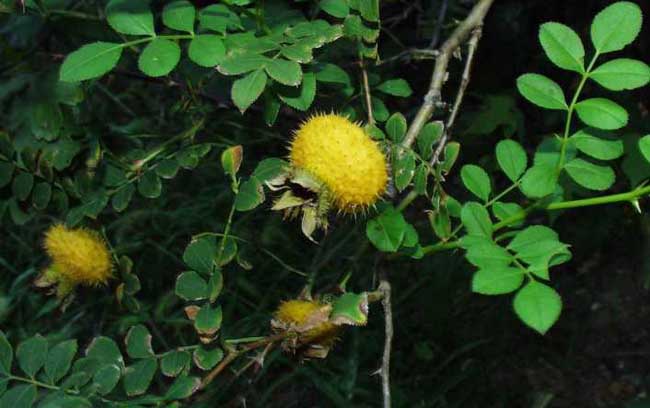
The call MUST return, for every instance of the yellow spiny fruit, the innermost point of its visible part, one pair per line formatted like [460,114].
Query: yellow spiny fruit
[298,314]
[340,154]
[79,256]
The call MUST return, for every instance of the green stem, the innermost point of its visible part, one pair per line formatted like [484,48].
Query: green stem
[569,116]
[38,383]
[226,231]
[412,195]
[562,205]
[501,194]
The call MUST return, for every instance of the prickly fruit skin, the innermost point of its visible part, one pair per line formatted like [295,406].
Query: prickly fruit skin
[341,155]
[79,256]
[300,313]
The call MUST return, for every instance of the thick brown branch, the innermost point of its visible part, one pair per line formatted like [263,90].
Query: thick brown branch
[433,96]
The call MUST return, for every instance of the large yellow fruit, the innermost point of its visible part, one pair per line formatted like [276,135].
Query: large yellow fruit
[79,256]
[343,157]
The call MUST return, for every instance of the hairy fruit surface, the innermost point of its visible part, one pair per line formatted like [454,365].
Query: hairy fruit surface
[343,157]
[79,256]
[308,321]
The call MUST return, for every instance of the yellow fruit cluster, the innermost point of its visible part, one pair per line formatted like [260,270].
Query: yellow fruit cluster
[79,256]
[340,154]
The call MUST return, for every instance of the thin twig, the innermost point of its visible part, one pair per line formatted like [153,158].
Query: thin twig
[366,91]
[232,356]
[433,97]
[442,12]
[471,50]
[385,289]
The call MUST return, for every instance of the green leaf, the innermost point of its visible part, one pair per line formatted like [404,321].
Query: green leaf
[616,26]
[31,354]
[503,211]
[602,113]
[183,387]
[159,57]
[403,168]
[122,198]
[541,91]
[476,180]
[386,232]
[130,17]
[511,158]
[250,195]
[137,377]
[284,71]
[206,50]
[420,179]
[105,351]
[231,159]
[539,180]
[333,74]
[476,219]
[41,195]
[237,64]
[246,90]
[644,147]
[6,173]
[149,185]
[167,168]
[538,306]
[6,354]
[299,52]
[208,320]
[336,8]
[350,309]
[22,185]
[562,46]
[19,396]
[396,127]
[598,144]
[59,360]
[451,155]
[269,168]
[90,61]
[589,175]
[179,15]
[622,73]
[138,342]
[430,133]
[174,362]
[369,9]
[302,99]
[396,87]
[539,247]
[106,378]
[530,237]
[200,254]
[497,281]
[485,254]
[205,359]
[440,222]
[379,109]
[190,286]
[218,17]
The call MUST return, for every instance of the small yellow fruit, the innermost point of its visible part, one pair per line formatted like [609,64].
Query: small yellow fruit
[79,256]
[309,319]
[343,157]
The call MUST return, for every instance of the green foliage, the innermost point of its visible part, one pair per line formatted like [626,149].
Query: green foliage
[138,133]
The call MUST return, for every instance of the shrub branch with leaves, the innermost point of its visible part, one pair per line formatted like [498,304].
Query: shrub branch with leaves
[277,59]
